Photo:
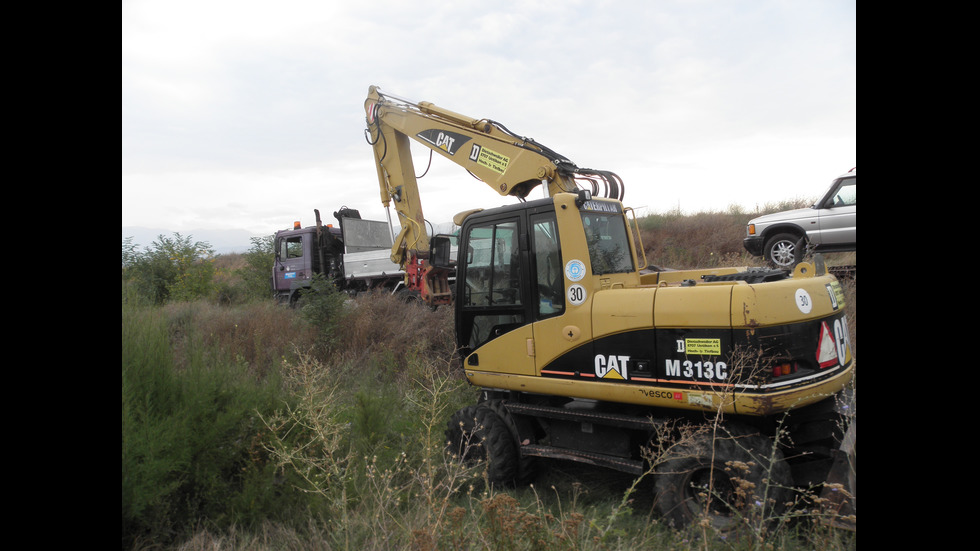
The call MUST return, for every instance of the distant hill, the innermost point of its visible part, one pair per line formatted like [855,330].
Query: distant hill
[222,241]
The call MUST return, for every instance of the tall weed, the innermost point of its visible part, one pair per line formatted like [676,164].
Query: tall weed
[323,307]
[190,435]
[339,438]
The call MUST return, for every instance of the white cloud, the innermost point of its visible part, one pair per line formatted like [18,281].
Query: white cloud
[246,114]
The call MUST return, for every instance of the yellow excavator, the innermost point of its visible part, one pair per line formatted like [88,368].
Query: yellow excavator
[581,353]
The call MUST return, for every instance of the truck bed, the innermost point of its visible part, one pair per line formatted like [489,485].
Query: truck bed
[370,264]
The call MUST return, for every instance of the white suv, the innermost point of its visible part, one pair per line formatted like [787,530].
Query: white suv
[829,225]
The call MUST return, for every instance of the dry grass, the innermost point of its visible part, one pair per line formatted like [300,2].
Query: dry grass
[258,334]
[704,240]
[377,328]
[381,325]
[422,503]
[710,239]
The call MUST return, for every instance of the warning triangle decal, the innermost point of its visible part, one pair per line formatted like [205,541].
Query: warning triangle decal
[826,348]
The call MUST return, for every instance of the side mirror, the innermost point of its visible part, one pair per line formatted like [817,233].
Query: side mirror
[440,251]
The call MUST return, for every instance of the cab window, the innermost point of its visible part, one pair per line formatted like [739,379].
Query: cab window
[492,301]
[493,266]
[291,247]
[550,283]
[845,196]
[608,241]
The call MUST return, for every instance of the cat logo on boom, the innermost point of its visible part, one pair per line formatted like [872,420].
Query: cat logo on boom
[449,142]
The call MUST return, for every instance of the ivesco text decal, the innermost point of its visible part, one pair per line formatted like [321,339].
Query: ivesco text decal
[611,367]
[289,275]
[449,142]
[665,394]
[489,158]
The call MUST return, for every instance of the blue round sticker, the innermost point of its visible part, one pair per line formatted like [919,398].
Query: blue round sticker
[575,270]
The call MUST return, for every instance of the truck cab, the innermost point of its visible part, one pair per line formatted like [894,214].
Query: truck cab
[294,261]
[355,256]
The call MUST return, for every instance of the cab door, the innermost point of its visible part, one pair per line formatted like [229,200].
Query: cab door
[837,216]
[493,322]
[292,261]
[563,294]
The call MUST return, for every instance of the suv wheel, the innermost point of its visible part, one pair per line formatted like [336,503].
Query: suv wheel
[784,250]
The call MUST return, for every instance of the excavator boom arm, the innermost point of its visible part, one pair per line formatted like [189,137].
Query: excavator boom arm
[510,164]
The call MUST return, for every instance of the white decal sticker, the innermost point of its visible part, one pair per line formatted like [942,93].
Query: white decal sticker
[697,370]
[612,367]
[575,270]
[842,338]
[803,301]
[700,400]
[576,294]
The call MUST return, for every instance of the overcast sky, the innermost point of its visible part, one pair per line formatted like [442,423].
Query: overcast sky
[248,114]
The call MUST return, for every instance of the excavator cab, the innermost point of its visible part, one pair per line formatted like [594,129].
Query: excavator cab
[526,272]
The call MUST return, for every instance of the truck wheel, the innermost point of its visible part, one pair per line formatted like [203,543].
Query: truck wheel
[476,434]
[408,296]
[517,426]
[781,250]
[742,477]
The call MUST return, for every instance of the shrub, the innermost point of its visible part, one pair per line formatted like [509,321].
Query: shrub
[703,240]
[322,305]
[255,273]
[173,268]
[383,329]
[235,437]
[192,442]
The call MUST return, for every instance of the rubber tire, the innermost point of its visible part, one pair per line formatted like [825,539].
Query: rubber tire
[475,434]
[686,471]
[409,296]
[526,466]
[782,250]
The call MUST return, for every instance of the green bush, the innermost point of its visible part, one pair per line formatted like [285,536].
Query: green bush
[254,278]
[192,436]
[323,306]
[172,268]
[235,436]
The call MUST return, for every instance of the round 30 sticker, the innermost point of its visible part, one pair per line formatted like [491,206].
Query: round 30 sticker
[576,294]
[575,270]
[803,301]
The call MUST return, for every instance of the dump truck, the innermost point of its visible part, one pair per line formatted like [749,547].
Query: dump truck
[581,352]
[353,255]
